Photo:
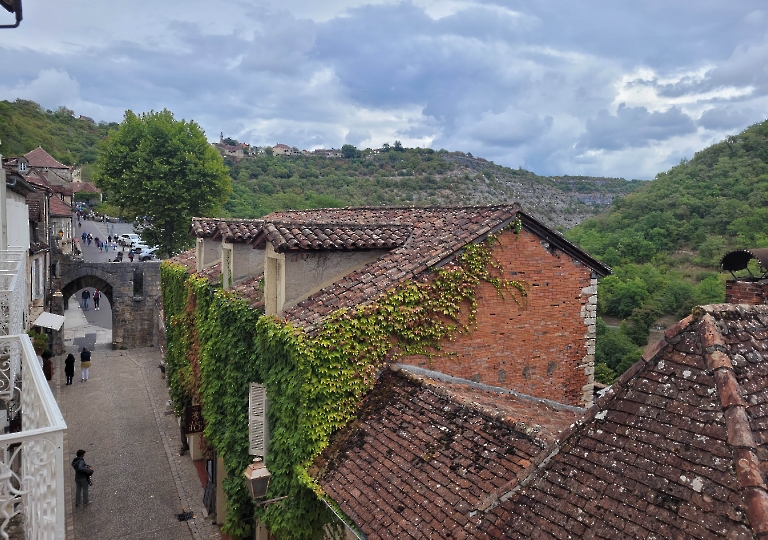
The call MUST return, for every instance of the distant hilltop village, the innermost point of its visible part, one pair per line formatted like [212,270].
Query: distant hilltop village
[228,147]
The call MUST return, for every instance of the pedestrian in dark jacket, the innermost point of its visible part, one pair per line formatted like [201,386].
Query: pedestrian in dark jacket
[83,474]
[69,367]
[86,295]
[85,364]
[48,364]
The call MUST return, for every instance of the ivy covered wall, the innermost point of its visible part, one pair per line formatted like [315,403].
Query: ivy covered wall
[217,345]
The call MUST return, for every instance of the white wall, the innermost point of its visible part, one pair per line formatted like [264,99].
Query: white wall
[18,221]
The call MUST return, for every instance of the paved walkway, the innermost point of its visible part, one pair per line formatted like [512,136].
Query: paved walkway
[122,419]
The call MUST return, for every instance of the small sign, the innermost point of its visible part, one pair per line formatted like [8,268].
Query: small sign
[193,419]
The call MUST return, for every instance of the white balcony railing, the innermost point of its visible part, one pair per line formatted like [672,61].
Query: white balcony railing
[13,298]
[13,302]
[32,460]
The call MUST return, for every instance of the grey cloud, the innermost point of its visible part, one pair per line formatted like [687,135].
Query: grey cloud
[356,136]
[522,90]
[725,119]
[634,127]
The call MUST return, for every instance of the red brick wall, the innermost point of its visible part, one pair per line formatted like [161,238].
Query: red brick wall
[746,292]
[543,348]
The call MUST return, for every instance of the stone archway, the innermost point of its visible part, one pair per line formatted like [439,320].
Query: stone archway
[132,290]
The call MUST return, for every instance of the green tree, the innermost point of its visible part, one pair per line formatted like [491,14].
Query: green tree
[348,151]
[156,166]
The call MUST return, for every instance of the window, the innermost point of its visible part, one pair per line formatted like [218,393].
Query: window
[138,283]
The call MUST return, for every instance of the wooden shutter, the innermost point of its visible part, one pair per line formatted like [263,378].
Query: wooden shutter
[257,420]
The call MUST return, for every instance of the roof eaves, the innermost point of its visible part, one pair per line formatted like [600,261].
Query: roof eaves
[554,238]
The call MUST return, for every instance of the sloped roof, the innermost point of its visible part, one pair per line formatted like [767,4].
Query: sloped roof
[676,449]
[419,238]
[422,454]
[87,187]
[40,158]
[59,208]
[290,236]
[437,234]
[231,230]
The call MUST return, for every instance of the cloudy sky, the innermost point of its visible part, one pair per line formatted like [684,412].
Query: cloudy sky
[598,87]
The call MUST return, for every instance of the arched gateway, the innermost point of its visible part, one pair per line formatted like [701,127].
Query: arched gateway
[131,288]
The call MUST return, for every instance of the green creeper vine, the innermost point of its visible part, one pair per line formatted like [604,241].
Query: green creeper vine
[314,381]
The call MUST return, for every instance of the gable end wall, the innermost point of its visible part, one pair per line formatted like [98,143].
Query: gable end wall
[544,347]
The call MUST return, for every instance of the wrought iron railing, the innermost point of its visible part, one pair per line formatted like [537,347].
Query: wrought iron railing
[32,460]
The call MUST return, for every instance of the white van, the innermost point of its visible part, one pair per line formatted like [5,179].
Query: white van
[128,239]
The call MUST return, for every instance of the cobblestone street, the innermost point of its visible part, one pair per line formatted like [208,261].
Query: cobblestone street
[122,419]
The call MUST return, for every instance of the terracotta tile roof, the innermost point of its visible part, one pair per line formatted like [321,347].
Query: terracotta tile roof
[64,190]
[422,457]
[437,234]
[40,158]
[59,208]
[37,178]
[231,230]
[87,187]
[675,449]
[290,236]
[187,259]
[419,238]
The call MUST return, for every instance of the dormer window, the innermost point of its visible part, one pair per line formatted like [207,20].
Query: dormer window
[22,166]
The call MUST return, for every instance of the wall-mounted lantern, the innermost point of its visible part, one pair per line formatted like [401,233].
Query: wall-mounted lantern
[257,477]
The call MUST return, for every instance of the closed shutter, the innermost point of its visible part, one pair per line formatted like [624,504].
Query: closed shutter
[257,420]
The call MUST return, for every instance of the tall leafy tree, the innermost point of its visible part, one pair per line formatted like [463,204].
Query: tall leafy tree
[156,166]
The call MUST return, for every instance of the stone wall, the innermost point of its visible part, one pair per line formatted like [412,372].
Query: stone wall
[545,347]
[131,288]
[746,292]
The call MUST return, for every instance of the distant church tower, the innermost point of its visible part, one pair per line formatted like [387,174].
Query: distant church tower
[221,138]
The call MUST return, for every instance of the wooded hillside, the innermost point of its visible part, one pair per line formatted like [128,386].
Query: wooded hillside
[665,241]
[412,176]
[24,126]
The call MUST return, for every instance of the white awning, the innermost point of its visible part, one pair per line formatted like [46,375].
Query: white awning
[49,320]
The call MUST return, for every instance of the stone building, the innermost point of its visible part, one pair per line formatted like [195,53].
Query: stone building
[314,262]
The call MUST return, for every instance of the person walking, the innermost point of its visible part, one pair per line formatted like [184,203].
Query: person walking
[86,295]
[48,366]
[69,367]
[96,299]
[83,474]
[85,364]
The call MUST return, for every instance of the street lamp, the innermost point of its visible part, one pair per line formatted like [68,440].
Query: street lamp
[257,477]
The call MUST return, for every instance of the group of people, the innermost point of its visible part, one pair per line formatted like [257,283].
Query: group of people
[103,246]
[86,296]
[83,472]
[85,366]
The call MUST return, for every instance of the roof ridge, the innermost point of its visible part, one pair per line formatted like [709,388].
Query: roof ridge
[746,463]
[338,223]
[388,207]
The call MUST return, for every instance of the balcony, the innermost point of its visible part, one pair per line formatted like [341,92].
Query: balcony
[13,296]
[31,460]
[32,454]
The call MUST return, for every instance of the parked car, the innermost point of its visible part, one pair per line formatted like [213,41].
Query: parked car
[144,252]
[128,239]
